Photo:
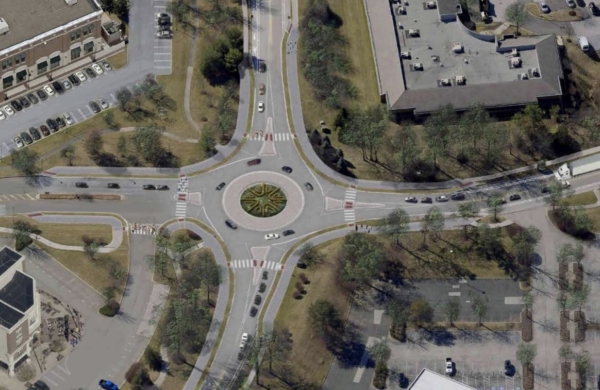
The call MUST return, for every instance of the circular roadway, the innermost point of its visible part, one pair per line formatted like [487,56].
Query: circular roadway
[234,210]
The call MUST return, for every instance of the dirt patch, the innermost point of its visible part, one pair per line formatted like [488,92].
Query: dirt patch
[528,376]
[563,282]
[81,196]
[564,329]
[527,326]
[580,328]
[578,272]
[565,382]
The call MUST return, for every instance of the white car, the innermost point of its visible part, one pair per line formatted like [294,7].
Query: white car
[8,110]
[81,76]
[449,366]
[48,89]
[271,236]
[261,106]
[18,142]
[544,7]
[571,3]
[103,104]
[244,341]
[106,66]
[68,118]
[2,116]
[97,68]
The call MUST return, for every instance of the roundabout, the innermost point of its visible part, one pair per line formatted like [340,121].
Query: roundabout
[263,201]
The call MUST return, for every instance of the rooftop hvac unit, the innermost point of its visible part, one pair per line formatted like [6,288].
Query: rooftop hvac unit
[535,72]
[460,80]
[3,26]
[524,76]
[413,32]
[71,2]
[515,62]
[514,53]
[418,66]
[401,10]
[405,55]
[446,82]
[458,48]
[430,4]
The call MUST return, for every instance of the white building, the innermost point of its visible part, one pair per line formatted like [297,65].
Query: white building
[431,380]
[20,315]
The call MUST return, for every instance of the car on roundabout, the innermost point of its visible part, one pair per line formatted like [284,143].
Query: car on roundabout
[288,232]
[286,169]
[220,186]
[411,199]
[230,224]
[308,186]
[271,236]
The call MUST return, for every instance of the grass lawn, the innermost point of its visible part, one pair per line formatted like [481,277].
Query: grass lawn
[594,214]
[561,15]
[583,199]
[585,71]
[118,60]
[491,219]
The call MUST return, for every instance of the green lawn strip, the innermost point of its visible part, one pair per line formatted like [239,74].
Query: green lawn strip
[489,219]
[583,199]
[594,214]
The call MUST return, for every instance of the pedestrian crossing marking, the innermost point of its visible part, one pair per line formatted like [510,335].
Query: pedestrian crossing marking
[276,137]
[8,197]
[272,265]
[143,229]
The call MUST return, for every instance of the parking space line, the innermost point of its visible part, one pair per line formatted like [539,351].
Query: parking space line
[89,108]
[82,114]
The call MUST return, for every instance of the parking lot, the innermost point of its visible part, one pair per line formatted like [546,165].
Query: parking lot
[162,46]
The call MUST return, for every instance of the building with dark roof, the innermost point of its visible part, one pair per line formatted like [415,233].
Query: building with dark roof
[426,59]
[20,315]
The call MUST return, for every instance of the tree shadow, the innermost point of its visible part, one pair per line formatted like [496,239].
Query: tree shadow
[438,335]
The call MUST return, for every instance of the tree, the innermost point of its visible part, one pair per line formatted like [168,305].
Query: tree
[309,254]
[565,352]
[107,5]
[528,300]
[563,303]
[91,249]
[404,145]
[398,310]
[22,232]
[475,121]
[274,347]
[94,144]
[583,364]
[496,203]
[122,145]
[121,9]
[466,211]
[109,119]
[379,352]
[153,359]
[582,222]
[452,310]
[479,307]
[147,141]
[159,262]
[124,97]
[495,139]
[556,194]
[395,225]
[488,241]
[526,353]
[524,245]
[433,222]
[578,297]
[516,13]
[68,152]
[568,253]
[438,130]
[324,318]
[364,259]
[207,142]
[255,351]
[420,312]
[24,161]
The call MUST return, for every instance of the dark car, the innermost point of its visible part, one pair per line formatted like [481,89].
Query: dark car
[457,197]
[514,197]
[220,186]
[24,102]
[45,130]
[81,184]
[95,107]
[402,380]
[113,185]
[545,190]
[91,74]
[301,265]
[262,66]
[107,385]
[26,138]
[42,95]
[426,200]
[35,133]
[509,369]
[162,187]
[262,288]
[265,275]
[60,122]
[287,232]
[16,105]
[255,161]
[230,224]
[148,187]
[58,87]
[286,169]
[32,98]
[257,300]
[593,8]
[74,80]
[52,125]
[241,355]
[253,311]
[308,186]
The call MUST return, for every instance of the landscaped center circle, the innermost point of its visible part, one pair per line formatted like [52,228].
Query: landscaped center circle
[263,200]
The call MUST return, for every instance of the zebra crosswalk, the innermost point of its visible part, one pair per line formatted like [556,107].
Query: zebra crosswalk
[146,229]
[180,209]
[254,263]
[17,197]
[349,200]
[277,137]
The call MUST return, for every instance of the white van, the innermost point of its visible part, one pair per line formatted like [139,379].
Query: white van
[584,45]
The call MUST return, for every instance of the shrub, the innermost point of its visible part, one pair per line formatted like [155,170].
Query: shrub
[153,359]
[111,309]
[26,372]
[132,371]
[381,374]
[398,331]
[57,345]
[297,295]
[300,287]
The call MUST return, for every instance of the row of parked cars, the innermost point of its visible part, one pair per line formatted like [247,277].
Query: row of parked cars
[441,198]
[163,25]
[82,184]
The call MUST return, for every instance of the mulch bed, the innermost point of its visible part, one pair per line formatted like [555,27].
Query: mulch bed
[578,271]
[564,330]
[81,196]
[565,382]
[580,328]
[563,283]
[527,326]
[528,376]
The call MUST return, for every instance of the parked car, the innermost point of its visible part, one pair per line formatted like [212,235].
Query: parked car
[449,366]
[95,107]
[8,110]
[113,185]
[426,200]
[26,138]
[106,66]
[411,199]
[441,198]
[271,236]
[42,94]
[58,87]
[103,104]
[45,130]
[90,73]
[97,68]
[68,118]
[458,196]
[255,161]
[514,197]
[261,89]
[81,184]
[16,105]
[74,80]
[24,102]
[402,380]
[60,122]
[286,169]
[230,224]
[244,341]
[2,116]
[265,275]
[261,106]
[544,7]
[162,187]
[48,89]
[107,385]
[288,232]
[32,98]
[308,186]
[35,133]
[262,287]
[66,85]
[148,187]
[257,300]
[52,125]
[262,66]
[18,142]
[253,311]
[570,4]
[164,34]
[220,186]
[82,77]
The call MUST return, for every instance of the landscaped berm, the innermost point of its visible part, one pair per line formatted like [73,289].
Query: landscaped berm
[263,200]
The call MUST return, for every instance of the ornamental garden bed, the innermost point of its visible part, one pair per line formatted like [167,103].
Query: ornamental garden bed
[564,329]
[580,327]
[565,382]
[527,325]
[563,283]
[528,376]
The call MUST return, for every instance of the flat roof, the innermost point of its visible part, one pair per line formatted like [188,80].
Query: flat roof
[29,18]
[8,258]
[18,293]
[431,380]
[9,316]
[448,7]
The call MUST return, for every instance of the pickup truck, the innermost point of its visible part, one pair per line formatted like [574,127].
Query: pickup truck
[449,366]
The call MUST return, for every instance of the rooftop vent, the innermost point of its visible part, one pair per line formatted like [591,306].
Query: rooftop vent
[413,32]
[418,66]
[458,48]
[514,52]
[535,72]
[430,4]
[401,10]
[524,76]
[3,26]
[460,80]
[515,62]
[71,2]
[446,82]
[405,55]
